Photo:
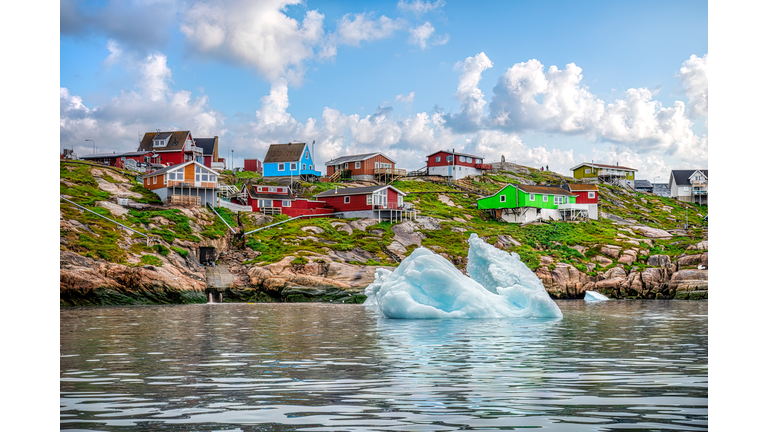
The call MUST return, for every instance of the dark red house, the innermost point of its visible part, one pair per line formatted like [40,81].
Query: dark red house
[455,165]
[280,200]
[253,165]
[370,202]
[172,147]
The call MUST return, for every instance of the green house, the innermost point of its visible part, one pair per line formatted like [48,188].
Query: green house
[523,203]
[607,173]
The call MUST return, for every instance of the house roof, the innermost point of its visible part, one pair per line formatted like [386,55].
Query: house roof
[114,155]
[207,144]
[290,152]
[176,142]
[583,187]
[682,176]
[173,167]
[456,153]
[356,191]
[355,158]
[594,165]
[253,193]
[643,184]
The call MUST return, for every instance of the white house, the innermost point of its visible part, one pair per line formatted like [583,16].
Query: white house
[689,185]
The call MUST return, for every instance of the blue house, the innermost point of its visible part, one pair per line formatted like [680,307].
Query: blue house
[292,160]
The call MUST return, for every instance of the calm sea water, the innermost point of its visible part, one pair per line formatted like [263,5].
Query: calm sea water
[618,365]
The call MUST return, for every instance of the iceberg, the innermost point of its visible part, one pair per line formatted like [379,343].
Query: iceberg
[593,296]
[427,286]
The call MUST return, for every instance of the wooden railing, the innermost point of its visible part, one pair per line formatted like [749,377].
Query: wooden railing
[389,171]
[184,200]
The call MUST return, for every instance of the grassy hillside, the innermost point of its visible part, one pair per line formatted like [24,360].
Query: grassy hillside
[456,214]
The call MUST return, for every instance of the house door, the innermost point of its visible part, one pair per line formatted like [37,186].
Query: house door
[450,170]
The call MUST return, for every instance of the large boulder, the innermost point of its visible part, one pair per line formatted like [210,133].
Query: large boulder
[659,261]
[651,232]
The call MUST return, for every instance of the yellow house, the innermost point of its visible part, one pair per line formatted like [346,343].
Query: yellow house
[616,174]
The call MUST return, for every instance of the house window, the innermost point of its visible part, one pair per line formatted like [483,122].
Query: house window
[304,166]
[286,203]
[368,199]
[587,170]
[310,167]
[544,198]
[154,181]
[357,165]
[294,166]
[503,198]
[531,197]
[449,158]
[346,200]
[591,194]
[271,189]
[306,154]
[265,203]
[258,189]
[437,159]
[346,165]
[461,159]
[281,167]
[165,178]
[685,188]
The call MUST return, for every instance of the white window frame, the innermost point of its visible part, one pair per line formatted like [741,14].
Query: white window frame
[685,188]
[503,198]
[281,167]
[346,199]
[462,159]
[369,199]
[545,198]
[357,165]
[590,194]
[437,159]
[346,165]
[294,166]
[587,170]
[304,166]
[286,203]
[531,197]
[271,189]
[154,180]
[165,179]
[310,167]
[449,158]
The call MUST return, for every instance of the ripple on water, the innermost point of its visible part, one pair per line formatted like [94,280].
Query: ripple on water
[609,366]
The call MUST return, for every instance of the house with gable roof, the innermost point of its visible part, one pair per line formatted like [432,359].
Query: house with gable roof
[172,148]
[369,166]
[292,160]
[275,200]
[523,203]
[586,194]
[188,183]
[210,147]
[455,165]
[689,185]
[616,174]
[375,202]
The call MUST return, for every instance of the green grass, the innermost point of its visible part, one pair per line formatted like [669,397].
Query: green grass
[151,260]
[183,252]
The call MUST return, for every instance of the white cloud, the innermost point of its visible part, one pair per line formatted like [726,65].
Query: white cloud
[693,74]
[472,98]
[353,29]
[420,7]
[256,34]
[119,124]
[115,52]
[420,35]
[405,98]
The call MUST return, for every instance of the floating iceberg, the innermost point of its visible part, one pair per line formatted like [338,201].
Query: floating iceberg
[593,296]
[426,285]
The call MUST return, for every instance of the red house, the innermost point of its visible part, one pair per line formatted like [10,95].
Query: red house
[173,148]
[368,202]
[455,165]
[253,165]
[585,194]
[369,166]
[279,200]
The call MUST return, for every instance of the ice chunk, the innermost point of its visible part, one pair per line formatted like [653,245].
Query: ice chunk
[426,285]
[593,296]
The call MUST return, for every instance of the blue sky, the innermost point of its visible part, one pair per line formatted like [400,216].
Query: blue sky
[402,77]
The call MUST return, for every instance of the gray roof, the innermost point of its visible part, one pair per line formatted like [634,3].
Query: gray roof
[114,155]
[206,144]
[173,167]
[354,158]
[456,153]
[290,152]
[681,176]
[354,191]
[643,184]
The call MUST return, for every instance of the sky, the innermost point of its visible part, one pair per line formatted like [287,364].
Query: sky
[546,83]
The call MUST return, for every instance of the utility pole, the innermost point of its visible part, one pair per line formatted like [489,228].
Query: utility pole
[94,145]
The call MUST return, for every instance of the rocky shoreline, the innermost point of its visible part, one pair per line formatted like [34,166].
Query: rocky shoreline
[331,278]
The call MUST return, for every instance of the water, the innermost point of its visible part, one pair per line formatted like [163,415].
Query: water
[608,366]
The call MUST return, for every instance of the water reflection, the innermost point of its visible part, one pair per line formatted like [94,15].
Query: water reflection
[605,366]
